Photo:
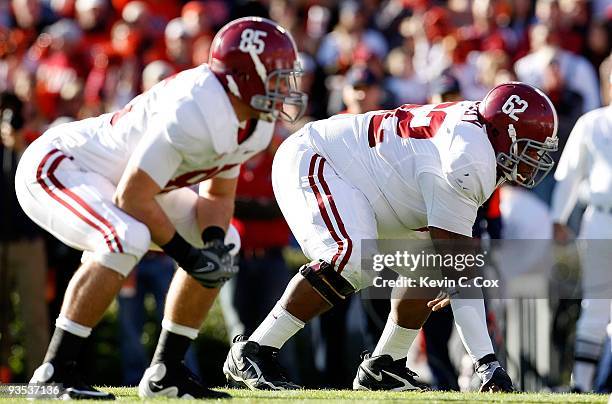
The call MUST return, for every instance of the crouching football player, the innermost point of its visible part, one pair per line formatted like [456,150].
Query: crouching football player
[113,184]
[379,175]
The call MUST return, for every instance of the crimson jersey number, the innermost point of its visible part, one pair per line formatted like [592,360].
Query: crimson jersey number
[412,121]
[195,177]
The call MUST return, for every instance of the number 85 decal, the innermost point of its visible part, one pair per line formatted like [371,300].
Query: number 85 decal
[251,40]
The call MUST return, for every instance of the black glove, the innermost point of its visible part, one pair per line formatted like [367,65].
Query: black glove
[212,265]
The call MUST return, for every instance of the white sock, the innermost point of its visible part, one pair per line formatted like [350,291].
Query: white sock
[72,327]
[191,333]
[472,327]
[582,375]
[395,340]
[277,328]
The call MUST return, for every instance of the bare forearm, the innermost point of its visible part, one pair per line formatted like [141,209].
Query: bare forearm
[151,214]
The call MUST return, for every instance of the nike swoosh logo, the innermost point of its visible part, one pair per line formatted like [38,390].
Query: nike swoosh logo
[155,387]
[405,382]
[208,268]
[377,377]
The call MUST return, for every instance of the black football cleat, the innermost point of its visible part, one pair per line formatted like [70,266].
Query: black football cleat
[255,367]
[175,381]
[500,382]
[68,378]
[383,373]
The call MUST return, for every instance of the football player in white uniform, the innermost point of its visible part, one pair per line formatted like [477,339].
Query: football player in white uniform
[380,175]
[587,157]
[115,184]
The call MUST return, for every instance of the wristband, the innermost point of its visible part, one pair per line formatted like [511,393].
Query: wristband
[212,233]
[179,250]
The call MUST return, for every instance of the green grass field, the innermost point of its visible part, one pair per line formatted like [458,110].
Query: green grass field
[345,396]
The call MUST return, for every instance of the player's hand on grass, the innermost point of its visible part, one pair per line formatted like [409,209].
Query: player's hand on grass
[439,302]
[213,265]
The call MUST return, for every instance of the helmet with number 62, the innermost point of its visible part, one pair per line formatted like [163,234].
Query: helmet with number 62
[521,123]
[256,60]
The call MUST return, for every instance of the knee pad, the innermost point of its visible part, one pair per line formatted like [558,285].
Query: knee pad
[327,282]
[135,239]
[121,263]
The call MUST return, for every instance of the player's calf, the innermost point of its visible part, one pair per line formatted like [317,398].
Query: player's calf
[253,364]
[60,363]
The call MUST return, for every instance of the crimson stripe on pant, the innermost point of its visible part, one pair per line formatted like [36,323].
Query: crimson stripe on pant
[332,204]
[40,178]
[325,215]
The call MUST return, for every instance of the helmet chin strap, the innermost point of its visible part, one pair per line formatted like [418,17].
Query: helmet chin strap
[512,134]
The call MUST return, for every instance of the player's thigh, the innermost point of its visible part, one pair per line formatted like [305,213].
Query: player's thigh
[328,216]
[76,207]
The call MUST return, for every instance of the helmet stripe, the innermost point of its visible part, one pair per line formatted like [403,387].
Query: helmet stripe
[232,86]
[259,67]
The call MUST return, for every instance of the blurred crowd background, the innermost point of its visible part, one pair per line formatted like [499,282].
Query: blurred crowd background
[63,60]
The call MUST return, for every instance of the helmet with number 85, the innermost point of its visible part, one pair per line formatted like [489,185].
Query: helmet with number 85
[521,123]
[256,60]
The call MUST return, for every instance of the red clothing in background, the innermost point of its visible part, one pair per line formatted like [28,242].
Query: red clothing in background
[255,182]
[54,73]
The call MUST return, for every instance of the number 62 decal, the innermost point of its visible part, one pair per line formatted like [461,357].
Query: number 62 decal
[514,105]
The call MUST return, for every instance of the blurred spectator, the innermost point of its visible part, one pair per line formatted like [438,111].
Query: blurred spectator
[445,89]
[179,44]
[362,91]
[489,26]
[155,72]
[22,256]
[196,19]
[163,10]
[61,70]
[287,14]
[404,83]
[338,48]
[520,20]
[554,70]
[199,26]
[95,19]
[431,50]
[30,18]
[599,42]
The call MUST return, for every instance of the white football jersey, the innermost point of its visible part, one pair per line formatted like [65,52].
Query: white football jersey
[587,156]
[180,132]
[385,153]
